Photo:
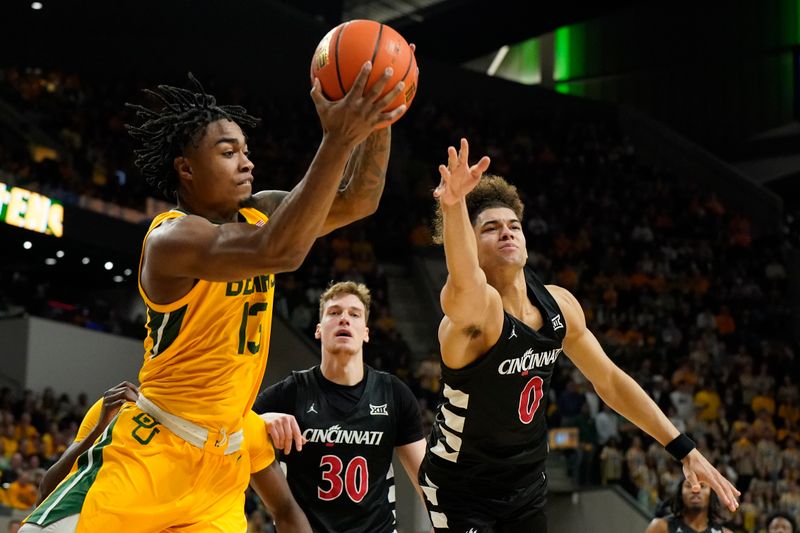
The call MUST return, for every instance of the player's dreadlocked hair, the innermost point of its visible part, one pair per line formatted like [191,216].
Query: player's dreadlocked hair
[491,191]
[165,133]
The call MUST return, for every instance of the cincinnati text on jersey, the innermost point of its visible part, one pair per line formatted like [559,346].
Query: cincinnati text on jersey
[528,361]
[337,435]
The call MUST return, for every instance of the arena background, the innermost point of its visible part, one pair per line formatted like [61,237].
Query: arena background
[655,145]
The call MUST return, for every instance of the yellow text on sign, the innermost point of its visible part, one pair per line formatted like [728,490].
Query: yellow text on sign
[30,210]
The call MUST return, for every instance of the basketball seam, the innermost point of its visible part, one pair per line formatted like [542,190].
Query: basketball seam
[377,45]
[336,58]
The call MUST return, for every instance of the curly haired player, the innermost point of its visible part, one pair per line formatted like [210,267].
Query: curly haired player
[501,336]
[172,460]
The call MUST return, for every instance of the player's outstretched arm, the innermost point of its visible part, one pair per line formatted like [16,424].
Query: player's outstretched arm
[364,179]
[360,189]
[625,396]
[94,423]
[362,186]
[271,486]
[469,304]
[194,248]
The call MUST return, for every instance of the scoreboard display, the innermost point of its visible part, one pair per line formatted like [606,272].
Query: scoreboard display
[30,210]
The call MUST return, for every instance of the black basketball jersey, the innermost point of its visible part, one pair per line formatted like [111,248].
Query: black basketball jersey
[490,426]
[676,525]
[343,477]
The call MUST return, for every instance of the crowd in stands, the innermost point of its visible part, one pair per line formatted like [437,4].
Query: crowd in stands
[680,290]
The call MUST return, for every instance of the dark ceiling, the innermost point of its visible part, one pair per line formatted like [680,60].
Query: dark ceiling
[456,31]
[267,38]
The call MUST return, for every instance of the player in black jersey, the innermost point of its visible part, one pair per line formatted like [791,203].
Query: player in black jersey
[348,420]
[692,512]
[500,338]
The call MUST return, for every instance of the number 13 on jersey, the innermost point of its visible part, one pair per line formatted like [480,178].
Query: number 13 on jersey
[249,334]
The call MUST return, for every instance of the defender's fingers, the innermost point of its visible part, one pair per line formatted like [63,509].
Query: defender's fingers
[481,166]
[286,428]
[452,158]
[728,497]
[276,432]
[691,477]
[298,436]
[463,152]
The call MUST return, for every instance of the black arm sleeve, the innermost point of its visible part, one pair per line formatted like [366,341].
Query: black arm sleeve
[277,398]
[409,419]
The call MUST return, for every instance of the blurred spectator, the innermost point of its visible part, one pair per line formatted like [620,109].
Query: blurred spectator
[22,492]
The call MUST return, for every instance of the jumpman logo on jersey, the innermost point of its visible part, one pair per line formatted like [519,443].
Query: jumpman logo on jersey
[513,334]
[312,409]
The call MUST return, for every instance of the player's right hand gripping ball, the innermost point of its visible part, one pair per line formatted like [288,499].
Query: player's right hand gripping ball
[344,50]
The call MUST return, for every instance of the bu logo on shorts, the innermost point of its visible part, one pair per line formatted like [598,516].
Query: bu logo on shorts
[144,422]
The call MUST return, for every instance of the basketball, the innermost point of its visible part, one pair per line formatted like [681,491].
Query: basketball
[342,52]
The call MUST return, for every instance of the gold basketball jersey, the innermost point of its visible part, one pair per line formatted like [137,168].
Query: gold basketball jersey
[205,354]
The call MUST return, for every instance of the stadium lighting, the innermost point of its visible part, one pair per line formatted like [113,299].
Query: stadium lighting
[85,260]
[109,265]
[36,6]
[118,278]
[128,272]
[497,61]
[60,254]
[27,245]
[50,261]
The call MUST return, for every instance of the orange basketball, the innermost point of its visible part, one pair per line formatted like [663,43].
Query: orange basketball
[343,51]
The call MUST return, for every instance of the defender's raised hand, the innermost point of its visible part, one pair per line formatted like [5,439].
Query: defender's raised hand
[696,468]
[458,178]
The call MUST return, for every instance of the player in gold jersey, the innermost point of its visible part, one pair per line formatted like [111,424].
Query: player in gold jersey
[266,476]
[171,462]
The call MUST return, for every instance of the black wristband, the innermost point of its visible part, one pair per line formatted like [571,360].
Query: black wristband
[680,446]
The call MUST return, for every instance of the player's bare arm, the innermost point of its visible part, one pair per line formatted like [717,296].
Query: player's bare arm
[180,251]
[411,456]
[271,486]
[361,186]
[626,397]
[473,310]
[360,189]
[363,183]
